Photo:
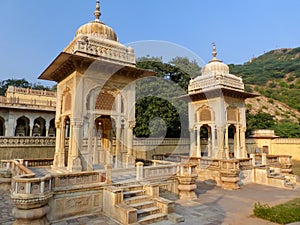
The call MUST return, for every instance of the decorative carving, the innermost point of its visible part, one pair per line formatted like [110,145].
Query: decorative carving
[131,124]
[75,204]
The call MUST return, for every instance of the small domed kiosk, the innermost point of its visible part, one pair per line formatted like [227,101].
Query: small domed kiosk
[216,111]
[95,77]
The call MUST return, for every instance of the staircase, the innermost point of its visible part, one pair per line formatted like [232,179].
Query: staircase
[147,211]
[287,182]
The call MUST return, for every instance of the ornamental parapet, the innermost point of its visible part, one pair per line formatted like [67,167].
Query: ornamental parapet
[105,49]
[29,192]
[204,83]
[27,141]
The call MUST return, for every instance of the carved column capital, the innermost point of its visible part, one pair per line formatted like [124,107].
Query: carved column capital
[131,124]
[57,124]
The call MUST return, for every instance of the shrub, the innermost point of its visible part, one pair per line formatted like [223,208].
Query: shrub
[288,212]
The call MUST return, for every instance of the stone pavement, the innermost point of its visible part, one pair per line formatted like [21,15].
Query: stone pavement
[5,208]
[213,207]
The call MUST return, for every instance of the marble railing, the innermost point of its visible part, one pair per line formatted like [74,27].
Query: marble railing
[245,163]
[16,167]
[170,158]
[272,159]
[151,172]
[38,162]
[211,164]
[103,50]
[27,141]
[63,181]
[30,103]
[12,89]
[285,159]
[229,165]
[28,184]
[156,141]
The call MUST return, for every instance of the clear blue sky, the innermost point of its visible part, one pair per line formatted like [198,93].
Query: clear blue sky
[34,32]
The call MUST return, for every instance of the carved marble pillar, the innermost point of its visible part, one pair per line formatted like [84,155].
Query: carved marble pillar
[220,141]
[226,143]
[198,153]
[11,126]
[130,157]
[213,141]
[209,144]
[92,149]
[238,148]
[192,141]
[118,159]
[31,124]
[59,145]
[243,143]
[47,127]
[75,147]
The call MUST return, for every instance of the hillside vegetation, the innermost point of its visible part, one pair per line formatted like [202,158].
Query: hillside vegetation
[275,75]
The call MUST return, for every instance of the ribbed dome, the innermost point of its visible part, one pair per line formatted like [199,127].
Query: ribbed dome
[215,66]
[97,29]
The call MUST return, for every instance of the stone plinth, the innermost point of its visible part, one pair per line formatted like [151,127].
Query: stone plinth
[187,186]
[187,181]
[31,217]
[230,182]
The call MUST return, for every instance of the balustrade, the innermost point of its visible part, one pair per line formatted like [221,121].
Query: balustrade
[150,172]
[27,141]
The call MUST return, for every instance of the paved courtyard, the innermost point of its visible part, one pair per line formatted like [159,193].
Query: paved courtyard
[214,206]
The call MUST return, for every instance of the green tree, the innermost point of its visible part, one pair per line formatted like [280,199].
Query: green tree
[189,67]
[22,83]
[287,129]
[158,97]
[258,121]
[13,82]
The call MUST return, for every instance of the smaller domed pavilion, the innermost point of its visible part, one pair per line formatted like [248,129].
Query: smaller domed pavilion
[217,112]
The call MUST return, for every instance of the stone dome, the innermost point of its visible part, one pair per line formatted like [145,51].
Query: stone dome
[96,28]
[215,66]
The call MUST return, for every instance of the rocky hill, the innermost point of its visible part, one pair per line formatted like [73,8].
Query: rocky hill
[274,75]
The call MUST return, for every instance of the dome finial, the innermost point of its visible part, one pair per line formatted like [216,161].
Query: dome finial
[214,53]
[97,12]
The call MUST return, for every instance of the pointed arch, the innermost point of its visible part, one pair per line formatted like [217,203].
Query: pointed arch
[22,127]
[205,114]
[52,129]
[66,100]
[39,127]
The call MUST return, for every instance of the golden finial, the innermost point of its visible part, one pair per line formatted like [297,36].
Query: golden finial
[214,53]
[97,12]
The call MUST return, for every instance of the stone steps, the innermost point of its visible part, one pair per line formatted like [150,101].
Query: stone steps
[152,218]
[143,205]
[136,199]
[131,187]
[147,211]
[128,194]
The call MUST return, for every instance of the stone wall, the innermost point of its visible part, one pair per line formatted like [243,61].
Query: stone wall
[22,147]
[286,146]
[25,148]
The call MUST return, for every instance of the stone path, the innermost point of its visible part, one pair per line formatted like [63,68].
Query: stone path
[5,208]
[214,206]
